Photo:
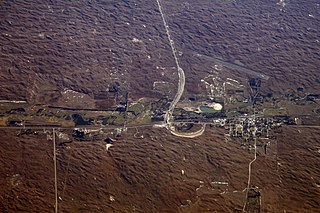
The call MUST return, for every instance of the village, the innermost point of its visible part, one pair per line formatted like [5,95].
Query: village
[242,111]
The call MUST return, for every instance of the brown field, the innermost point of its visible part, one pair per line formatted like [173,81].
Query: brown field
[159,174]
[47,47]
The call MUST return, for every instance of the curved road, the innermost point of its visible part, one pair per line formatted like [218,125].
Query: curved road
[189,134]
[181,84]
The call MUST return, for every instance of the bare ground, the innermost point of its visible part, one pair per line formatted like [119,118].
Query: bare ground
[159,173]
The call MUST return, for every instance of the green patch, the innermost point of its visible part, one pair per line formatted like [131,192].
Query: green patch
[206,109]
[79,120]
[136,108]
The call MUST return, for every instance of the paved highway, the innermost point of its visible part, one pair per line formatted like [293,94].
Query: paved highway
[181,85]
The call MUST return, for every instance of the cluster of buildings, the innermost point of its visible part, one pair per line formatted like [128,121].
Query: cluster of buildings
[250,127]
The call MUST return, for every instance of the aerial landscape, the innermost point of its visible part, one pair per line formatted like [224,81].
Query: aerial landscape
[160,106]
